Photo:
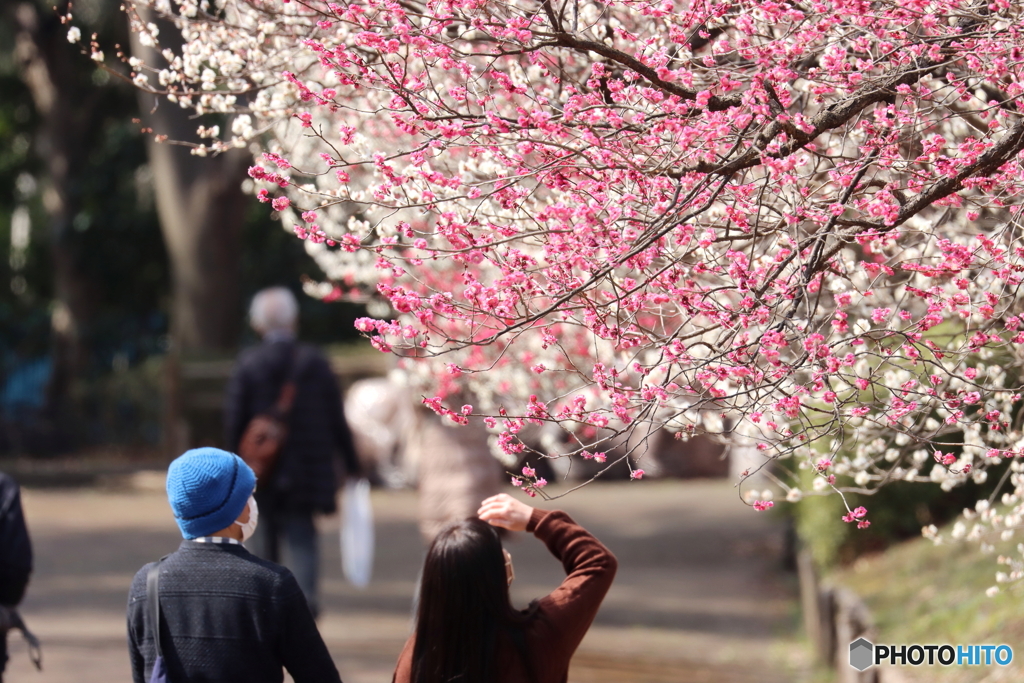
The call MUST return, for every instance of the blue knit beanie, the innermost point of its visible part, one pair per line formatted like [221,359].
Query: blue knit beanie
[208,488]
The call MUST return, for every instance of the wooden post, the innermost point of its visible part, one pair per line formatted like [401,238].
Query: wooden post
[810,604]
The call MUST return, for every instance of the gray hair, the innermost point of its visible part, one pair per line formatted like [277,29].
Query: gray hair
[274,310]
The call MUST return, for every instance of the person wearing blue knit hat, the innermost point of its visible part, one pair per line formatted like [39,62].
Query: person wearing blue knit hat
[224,614]
[208,489]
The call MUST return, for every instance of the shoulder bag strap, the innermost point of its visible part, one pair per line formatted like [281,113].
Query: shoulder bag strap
[286,398]
[153,604]
[10,619]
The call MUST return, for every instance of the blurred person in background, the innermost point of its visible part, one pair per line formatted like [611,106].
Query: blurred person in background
[15,562]
[224,614]
[466,627]
[454,468]
[318,450]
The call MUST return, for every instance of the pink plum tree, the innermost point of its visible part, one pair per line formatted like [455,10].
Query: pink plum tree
[793,224]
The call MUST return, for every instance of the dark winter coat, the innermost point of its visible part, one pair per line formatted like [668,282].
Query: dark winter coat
[227,616]
[306,477]
[15,547]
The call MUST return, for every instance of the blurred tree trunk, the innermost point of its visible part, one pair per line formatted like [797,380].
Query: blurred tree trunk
[202,209]
[68,112]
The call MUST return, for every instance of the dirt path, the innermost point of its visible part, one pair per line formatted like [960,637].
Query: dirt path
[700,596]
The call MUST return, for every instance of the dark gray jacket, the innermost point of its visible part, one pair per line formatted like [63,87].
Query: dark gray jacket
[306,478]
[15,547]
[227,616]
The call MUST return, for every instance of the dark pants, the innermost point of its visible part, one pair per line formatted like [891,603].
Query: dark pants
[295,531]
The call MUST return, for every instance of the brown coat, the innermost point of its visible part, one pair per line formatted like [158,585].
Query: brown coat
[560,619]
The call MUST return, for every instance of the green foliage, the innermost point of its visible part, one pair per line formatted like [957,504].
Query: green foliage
[922,593]
[24,318]
[112,239]
[897,512]
[820,527]
[124,406]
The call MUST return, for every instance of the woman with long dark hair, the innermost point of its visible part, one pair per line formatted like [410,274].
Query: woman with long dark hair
[466,628]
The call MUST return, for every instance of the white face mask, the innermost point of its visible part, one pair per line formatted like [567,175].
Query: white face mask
[254,516]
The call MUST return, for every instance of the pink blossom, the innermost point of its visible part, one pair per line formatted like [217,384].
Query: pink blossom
[855,514]
[275,159]
[880,314]
[762,505]
[712,245]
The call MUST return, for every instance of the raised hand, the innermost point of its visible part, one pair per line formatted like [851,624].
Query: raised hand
[505,511]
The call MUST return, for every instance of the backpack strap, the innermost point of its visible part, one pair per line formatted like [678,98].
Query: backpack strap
[153,604]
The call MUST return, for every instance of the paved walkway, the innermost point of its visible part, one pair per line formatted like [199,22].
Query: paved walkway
[700,596]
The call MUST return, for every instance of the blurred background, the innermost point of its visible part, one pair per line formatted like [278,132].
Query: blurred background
[113,317]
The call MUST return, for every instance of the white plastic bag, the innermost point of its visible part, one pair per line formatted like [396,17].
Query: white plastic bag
[357,533]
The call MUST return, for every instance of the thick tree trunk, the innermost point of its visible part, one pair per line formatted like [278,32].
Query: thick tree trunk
[202,208]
